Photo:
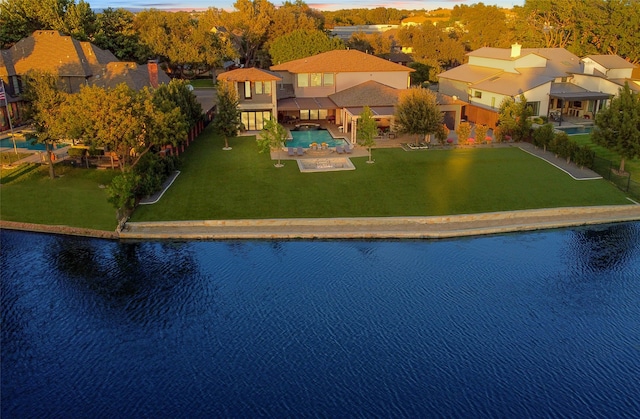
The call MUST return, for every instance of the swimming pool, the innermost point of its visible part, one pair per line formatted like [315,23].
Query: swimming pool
[305,138]
[8,142]
[582,129]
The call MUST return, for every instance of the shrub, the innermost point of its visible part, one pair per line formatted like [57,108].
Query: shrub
[543,136]
[481,133]
[464,132]
[584,156]
[76,152]
[122,191]
[153,170]
[442,133]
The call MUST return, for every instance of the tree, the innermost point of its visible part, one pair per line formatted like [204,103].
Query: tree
[188,45]
[417,113]
[367,130]
[302,43]
[514,118]
[115,32]
[250,22]
[272,137]
[45,102]
[177,93]
[20,18]
[227,119]
[618,126]
[543,136]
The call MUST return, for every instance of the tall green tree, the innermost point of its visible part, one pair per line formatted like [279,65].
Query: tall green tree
[367,130]
[618,126]
[513,118]
[302,43]
[20,18]
[272,137]
[45,102]
[227,119]
[250,22]
[115,32]
[177,93]
[417,113]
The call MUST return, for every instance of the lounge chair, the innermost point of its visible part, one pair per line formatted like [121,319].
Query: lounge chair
[348,149]
[291,151]
[300,151]
[339,149]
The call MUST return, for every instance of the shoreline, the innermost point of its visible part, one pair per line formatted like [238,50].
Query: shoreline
[355,228]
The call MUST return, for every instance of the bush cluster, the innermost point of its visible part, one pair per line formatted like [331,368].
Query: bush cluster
[153,170]
[560,144]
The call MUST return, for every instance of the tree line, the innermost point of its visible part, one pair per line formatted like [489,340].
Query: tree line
[257,33]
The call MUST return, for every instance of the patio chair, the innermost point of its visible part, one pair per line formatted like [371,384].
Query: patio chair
[348,149]
[291,151]
[339,149]
[300,151]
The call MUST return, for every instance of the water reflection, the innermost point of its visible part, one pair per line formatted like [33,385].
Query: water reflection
[605,248]
[145,281]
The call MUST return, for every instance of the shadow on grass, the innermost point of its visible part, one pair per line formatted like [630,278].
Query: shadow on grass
[22,172]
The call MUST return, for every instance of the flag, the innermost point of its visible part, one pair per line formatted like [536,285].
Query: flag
[2,95]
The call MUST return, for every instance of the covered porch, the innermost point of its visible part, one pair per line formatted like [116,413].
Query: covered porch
[566,100]
[294,109]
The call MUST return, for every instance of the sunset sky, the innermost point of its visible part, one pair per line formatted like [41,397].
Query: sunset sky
[96,5]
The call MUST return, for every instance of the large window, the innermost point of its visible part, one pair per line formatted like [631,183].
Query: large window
[303,80]
[328,79]
[254,121]
[534,107]
[259,85]
[247,90]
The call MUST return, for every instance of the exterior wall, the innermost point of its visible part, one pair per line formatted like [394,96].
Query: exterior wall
[596,84]
[619,73]
[527,61]
[540,94]
[488,99]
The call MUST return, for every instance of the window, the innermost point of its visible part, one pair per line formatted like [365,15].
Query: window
[254,121]
[477,94]
[316,79]
[534,107]
[493,101]
[247,90]
[267,87]
[259,85]
[328,79]
[303,80]
[577,104]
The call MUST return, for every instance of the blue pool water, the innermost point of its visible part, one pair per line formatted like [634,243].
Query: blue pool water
[305,138]
[28,144]
[585,129]
[538,324]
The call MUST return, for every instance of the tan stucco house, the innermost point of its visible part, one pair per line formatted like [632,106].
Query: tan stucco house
[554,81]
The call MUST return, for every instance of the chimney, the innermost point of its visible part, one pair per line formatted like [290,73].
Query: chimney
[152,66]
[515,50]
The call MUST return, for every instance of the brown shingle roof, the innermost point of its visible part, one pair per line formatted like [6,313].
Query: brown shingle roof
[339,61]
[55,53]
[369,93]
[248,74]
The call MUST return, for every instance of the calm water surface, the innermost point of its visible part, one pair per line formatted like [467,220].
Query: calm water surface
[543,324]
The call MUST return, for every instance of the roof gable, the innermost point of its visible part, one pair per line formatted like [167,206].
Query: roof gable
[611,61]
[340,61]
[248,74]
[369,93]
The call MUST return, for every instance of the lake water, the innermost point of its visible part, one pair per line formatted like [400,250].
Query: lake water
[540,324]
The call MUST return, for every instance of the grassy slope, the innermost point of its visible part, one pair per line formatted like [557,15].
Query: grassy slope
[242,183]
[74,198]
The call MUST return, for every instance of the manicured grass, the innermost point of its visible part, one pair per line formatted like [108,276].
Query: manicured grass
[242,183]
[631,166]
[9,157]
[74,198]
[199,83]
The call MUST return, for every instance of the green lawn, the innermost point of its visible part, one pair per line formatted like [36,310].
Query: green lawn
[199,83]
[631,166]
[74,198]
[242,183]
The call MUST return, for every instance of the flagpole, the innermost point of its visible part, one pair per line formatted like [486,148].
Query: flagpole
[6,105]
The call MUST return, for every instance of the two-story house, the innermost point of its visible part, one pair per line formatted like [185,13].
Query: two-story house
[554,81]
[75,63]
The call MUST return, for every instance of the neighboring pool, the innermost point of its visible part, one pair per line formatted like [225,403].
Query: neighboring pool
[7,142]
[305,138]
[583,129]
